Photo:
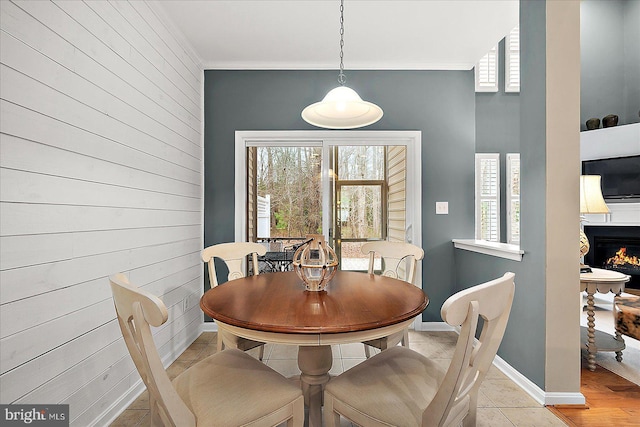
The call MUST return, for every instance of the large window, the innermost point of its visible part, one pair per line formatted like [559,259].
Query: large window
[292,183]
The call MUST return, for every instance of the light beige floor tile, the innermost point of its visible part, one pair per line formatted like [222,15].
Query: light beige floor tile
[336,367]
[178,367]
[350,363]
[336,351]
[417,336]
[130,417]
[495,374]
[141,402]
[193,352]
[285,367]
[209,349]
[280,352]
[432,350]
[206,338]
[506,394]
[268,348]
[431,336]
[351,351]
[145,421]
[254,352]
[492,417]
[484,401]
[532,417]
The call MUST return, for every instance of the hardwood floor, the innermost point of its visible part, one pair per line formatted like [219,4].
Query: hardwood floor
[611,401]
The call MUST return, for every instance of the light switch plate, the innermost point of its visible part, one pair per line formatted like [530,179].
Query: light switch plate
[442,208]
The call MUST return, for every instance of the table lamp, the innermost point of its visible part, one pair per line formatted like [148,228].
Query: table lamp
[591,202]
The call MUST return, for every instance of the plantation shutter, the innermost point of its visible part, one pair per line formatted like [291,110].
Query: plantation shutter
[513,198]
[512,61]
[486,72]
[488,196]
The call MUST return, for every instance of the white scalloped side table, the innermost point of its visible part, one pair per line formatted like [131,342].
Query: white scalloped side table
[602,281]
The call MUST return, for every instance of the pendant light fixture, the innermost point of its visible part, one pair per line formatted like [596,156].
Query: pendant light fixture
[342,107]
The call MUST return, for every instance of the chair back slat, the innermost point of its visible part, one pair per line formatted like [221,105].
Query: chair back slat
[395,256]
[136,310]
[233,254]
[472,358]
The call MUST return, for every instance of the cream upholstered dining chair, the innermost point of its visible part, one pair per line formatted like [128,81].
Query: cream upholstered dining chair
[401,387]
[399,260]
[228,388]
[234,254]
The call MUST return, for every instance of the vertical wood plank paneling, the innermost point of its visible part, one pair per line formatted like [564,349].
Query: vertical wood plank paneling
[100,172]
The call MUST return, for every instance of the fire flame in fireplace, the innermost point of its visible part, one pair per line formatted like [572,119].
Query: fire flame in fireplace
[622,259]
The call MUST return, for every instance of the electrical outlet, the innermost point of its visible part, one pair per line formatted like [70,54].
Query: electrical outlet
[442,208]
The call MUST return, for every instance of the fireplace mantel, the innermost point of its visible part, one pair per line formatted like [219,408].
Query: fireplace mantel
[617,141]
[622,214]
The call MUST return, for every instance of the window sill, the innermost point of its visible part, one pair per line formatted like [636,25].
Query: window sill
[501,250]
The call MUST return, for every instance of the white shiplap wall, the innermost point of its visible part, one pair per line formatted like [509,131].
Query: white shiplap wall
[100,172]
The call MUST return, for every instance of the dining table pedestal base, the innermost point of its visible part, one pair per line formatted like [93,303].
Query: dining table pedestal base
[315,363]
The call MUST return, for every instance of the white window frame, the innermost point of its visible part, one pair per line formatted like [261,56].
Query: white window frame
[480,197]
[327,140]
[486,72]
[512,61]
[513,167]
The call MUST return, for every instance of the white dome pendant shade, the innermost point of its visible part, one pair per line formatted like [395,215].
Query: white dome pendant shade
[342,108]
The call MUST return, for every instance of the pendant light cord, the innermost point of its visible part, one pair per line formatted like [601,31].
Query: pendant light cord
[342,79]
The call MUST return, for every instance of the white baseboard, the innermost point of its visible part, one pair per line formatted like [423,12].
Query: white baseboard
[433,326]
[210,327]
[561,398]
[113,411]
[539,395]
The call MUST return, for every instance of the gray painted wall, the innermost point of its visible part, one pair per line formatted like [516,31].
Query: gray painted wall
[441,104]
[498,129]
[523,346]
[610,60]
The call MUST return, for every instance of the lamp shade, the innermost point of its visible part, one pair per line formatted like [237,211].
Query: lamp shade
[591,200]
[342,108]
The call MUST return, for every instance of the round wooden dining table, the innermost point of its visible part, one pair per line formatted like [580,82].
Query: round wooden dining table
[276,308]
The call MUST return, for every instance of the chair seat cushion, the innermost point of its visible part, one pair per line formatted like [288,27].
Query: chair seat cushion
[390,387]
[229,388]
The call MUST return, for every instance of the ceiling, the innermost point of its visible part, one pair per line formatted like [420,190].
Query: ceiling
[305,34]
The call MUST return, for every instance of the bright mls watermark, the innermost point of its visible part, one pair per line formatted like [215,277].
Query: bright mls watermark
[34,415]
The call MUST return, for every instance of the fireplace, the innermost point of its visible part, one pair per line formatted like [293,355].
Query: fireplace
[615,248]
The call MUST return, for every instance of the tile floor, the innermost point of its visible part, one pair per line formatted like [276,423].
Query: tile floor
[501,402]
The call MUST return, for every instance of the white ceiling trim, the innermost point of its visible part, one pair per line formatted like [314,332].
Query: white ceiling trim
[218,65]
